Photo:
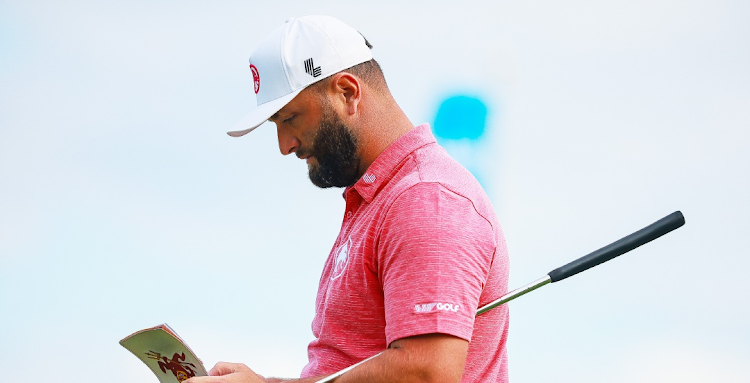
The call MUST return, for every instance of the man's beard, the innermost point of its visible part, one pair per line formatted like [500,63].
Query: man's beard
[335,150]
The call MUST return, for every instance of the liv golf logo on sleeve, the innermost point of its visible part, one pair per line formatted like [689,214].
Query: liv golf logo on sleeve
[424,308]
[342,259]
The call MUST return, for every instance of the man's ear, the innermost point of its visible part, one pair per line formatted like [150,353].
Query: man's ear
[347,89]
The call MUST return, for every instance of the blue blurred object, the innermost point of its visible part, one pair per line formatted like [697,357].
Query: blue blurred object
[459,127]
[460,117]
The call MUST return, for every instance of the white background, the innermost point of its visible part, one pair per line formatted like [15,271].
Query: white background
[124,205]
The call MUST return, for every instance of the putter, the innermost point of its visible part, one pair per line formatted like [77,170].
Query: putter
[606,253]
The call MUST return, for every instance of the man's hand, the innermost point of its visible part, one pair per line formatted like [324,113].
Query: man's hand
[230,373]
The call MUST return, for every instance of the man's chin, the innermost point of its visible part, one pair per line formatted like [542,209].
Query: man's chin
[319,180]
[313,169]
[319,183]
[313,172]
[325,177]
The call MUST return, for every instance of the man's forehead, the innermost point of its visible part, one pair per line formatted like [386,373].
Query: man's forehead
[302,99]
[281,111]
[285,110]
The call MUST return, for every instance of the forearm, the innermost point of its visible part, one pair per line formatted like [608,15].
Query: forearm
[430,358]
[395,365]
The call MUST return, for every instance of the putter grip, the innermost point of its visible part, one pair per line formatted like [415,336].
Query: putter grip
[622,246]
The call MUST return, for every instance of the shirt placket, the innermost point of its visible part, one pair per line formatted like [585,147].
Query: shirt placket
[353,202]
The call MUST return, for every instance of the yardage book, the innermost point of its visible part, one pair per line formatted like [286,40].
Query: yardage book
[165,353]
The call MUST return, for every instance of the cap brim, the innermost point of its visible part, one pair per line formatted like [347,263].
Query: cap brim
[261,114]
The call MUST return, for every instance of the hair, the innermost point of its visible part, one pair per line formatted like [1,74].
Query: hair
[369,72]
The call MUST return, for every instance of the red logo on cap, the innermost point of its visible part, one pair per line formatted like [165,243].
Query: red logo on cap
[256,77]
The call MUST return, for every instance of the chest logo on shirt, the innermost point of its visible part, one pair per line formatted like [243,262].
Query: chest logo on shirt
[341,259]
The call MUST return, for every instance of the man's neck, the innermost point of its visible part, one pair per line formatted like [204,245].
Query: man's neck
[382,125]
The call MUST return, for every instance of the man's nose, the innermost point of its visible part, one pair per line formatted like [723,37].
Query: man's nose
[288,143]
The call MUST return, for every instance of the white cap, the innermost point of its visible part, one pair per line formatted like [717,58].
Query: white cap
[299,53]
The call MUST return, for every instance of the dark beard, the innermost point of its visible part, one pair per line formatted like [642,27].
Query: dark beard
[335,150]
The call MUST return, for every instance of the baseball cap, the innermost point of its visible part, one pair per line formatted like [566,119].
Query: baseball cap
[296,55]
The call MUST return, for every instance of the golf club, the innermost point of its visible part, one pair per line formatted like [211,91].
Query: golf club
[606,253]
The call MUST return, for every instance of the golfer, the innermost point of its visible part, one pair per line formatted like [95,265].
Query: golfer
[420,248]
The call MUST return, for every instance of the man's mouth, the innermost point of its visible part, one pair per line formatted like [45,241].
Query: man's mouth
[308,158]
[305,156]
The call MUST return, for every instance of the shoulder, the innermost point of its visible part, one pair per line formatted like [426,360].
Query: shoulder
[438,206]
[440,178]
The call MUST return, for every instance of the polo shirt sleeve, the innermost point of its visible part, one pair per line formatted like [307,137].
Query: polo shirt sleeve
[434,252]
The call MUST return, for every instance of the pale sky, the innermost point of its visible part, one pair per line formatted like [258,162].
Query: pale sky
[123,204]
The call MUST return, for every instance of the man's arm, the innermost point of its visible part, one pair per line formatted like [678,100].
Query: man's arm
[431,358]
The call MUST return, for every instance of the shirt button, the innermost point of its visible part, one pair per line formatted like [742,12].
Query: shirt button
[349,214]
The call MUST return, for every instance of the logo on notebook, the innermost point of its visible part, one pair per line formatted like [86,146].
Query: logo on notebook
[311,69]
[177,365]
[341,259]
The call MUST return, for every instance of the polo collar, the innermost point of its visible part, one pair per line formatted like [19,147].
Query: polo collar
[381,170]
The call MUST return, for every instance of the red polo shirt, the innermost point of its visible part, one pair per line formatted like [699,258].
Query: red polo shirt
[420,249]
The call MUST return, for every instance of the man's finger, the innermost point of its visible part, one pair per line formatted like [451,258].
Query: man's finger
[225,368]
[220,369]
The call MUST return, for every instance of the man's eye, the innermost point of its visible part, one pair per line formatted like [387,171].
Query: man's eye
[288,120]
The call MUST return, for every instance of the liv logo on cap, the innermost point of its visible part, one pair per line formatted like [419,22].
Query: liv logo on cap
[311,69]
[256,78]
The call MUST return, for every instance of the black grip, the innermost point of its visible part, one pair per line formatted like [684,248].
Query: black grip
[622,246]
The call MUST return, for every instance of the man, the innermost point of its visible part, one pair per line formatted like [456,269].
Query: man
[420,247]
